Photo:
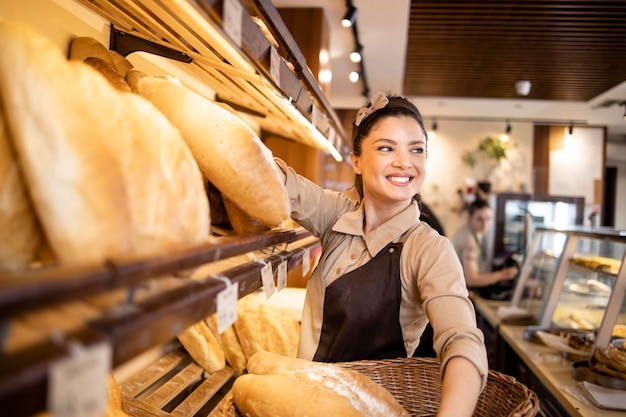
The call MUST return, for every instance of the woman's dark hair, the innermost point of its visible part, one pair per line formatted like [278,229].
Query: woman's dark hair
[477,205]
[398,106]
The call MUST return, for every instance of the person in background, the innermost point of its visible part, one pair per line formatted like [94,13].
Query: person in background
[469,246]
[384,274]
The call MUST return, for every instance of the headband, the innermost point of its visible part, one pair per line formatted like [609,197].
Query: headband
[379,101]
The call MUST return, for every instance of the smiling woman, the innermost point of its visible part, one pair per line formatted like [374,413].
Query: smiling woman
[384,274]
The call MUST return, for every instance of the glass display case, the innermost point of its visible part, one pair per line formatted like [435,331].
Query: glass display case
[573,278]
[517,214]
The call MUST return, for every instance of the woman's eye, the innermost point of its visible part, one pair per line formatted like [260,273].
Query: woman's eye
[385,148]
[418,150]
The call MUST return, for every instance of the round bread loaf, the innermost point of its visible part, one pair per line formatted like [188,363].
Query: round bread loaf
[18,225]
[61,113]
[229,153]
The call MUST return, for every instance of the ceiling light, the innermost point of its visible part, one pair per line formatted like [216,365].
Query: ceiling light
[354,76]
[355,56]
[570,129]
[350,17]
[522,87]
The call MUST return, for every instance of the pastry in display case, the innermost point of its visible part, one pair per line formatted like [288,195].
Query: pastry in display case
[573,283]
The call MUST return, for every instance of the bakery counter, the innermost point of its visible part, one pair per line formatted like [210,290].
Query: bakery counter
[552,370]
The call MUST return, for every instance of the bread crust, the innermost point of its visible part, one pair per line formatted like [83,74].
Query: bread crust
[368,397]
[75,187]
[286,396]
[203,347]
[229,153]
[109,73]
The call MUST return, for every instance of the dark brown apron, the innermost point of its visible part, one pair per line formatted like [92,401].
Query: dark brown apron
[362,312]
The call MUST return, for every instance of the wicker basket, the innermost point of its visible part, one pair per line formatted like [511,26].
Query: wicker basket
[415,383]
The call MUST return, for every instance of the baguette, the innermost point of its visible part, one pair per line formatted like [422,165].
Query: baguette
[368,397]
[84,47]
[229,153]
[202,345]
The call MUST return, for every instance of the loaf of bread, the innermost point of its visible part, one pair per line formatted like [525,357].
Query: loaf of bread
[265,328]
[202,345]
[18,224]
[241,222]
[61,113]
[83,47]
[166,196]
[108,174]
[122,65]
[286,396]
[228,151]
[109,73]
[367,397]
[231,346]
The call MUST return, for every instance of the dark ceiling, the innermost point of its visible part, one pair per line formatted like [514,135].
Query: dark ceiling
[569,50]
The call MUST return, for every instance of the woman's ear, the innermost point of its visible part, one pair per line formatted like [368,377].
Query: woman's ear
[355,164]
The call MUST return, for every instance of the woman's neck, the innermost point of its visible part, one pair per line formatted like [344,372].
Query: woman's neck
[376,214]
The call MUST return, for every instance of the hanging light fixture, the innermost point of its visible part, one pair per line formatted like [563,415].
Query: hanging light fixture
[350,17]
[508,127]
[570,129]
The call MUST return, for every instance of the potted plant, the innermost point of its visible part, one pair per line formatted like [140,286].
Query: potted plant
[487,156]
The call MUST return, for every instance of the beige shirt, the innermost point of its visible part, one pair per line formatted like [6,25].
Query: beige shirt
[433,286]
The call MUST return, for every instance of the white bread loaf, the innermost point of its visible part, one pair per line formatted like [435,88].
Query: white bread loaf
[60,114]
[108,72]
[368,397]
[229,153]
[285,396]
[203,346]
[167,199]
[107,172]
[265,328]
[18,224]
[84,47]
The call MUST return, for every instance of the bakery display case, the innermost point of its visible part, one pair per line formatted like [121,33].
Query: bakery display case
[516,214]
[573,278]
[240,54]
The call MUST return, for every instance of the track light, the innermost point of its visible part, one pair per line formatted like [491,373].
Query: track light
[508,127]
[570,129]
[355,56]
[350,17]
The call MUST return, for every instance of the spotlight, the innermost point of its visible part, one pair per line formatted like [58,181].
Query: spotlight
[355,56]
[522,87]
[354,76]
[350,17]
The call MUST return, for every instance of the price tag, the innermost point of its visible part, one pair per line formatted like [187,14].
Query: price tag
[227,306]
[282,275]
[306,262]
[77,385]
[315,114]
[232,17]
[267,276]
[275,61]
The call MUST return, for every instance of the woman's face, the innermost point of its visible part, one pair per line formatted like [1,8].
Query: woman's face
[392,161]
[481,220]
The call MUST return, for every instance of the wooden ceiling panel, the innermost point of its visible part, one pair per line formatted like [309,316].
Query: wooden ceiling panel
[569,50]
